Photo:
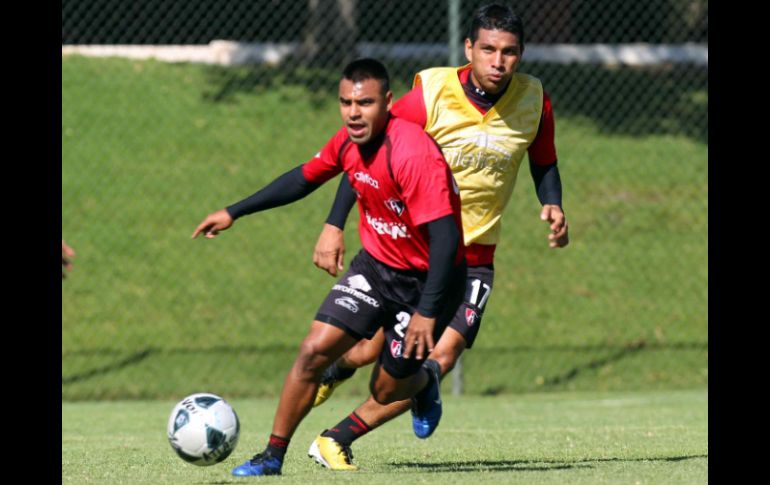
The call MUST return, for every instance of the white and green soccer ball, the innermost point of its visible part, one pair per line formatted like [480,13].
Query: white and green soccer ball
[203,429]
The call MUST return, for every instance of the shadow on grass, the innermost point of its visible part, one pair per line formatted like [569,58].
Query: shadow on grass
[666,99]
[529,465]
[594,364]
[119,365]
[121,362]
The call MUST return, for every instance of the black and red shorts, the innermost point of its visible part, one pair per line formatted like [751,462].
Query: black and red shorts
[371,295]
[478,287]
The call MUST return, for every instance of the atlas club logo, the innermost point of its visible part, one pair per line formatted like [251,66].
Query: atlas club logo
[395,205]
[396,347]
[471,316]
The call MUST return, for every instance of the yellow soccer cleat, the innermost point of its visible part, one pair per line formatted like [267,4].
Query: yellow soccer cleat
[325,391]
[331,379]
[331,454]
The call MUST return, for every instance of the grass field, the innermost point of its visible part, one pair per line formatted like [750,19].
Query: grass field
[148,149]
[568,437]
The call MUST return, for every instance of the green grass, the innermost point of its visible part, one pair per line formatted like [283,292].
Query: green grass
[149,148]
[585,438]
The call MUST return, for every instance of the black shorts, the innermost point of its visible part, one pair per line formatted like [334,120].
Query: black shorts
[371,295]
[478,287]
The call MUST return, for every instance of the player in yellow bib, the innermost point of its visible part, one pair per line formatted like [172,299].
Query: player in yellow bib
[485,116]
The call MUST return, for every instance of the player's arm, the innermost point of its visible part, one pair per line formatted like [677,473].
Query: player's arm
[548,188]
[444,240]
[329,251]
[287,188]
[545,174]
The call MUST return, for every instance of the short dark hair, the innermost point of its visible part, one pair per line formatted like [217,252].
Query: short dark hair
[494,16]
[367,68]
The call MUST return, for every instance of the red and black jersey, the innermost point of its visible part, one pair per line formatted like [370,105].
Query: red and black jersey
[402,182]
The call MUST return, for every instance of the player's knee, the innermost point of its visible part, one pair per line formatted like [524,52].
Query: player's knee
[311,361]
[446,358]
[360,355]
[383,390]
[383,394]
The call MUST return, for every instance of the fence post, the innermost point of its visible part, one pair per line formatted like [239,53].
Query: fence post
[454,60]
[457,377]
[454,33]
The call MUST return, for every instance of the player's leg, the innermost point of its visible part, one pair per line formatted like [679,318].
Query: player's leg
[395,380]
[446,352]
[456,338]
[343,318]
[332,447]
[323,345]
[363,353]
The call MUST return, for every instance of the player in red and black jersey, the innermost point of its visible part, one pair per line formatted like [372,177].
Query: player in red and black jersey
[409,276]
[485,116]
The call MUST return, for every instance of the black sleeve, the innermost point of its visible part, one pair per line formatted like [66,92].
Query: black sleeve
[343,202]
[286,189]
[547,183]
[444,239]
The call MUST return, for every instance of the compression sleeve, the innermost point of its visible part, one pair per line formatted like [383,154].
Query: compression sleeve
[547,182]
[444,240]
[343,202]
[286,189]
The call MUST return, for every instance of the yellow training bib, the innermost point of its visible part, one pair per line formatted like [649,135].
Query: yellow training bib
[484,151]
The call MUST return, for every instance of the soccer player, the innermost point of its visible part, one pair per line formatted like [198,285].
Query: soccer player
[409,277]
[67,253]
[485,116]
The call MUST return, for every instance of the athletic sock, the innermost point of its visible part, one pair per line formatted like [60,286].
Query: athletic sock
[420,396]
[339,373]
[348,430]
[277,446]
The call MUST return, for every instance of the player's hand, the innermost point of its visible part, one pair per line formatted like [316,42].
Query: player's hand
[419,336]
[329,251]
[559,235]
[213,223]
[67,253]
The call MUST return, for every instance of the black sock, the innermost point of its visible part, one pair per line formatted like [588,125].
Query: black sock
[348,430]
[337,372]
[420,395]
[277,446]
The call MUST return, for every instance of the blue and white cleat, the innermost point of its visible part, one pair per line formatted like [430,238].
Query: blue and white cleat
[426,404]
[262,464]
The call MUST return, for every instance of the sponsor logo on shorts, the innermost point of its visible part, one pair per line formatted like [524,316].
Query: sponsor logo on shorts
[396,348]
[361,296]
[471,316]
[395,205]
[367,179]
[359,283]
[347,302]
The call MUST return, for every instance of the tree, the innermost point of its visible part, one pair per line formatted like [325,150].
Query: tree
[330,35]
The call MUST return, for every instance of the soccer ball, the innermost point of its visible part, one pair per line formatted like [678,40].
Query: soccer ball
[203,429]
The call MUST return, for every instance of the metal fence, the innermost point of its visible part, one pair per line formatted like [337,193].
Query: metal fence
[173,109]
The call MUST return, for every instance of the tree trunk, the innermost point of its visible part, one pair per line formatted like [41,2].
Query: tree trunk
[330,35]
